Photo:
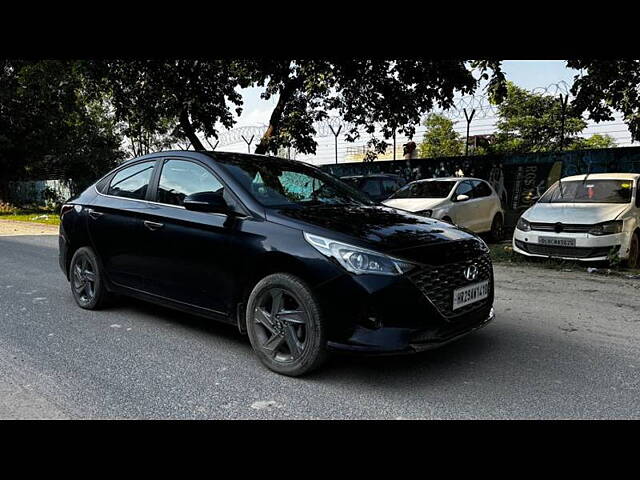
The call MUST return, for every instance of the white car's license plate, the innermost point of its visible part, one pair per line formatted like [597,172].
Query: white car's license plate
[557,242]
[470,294]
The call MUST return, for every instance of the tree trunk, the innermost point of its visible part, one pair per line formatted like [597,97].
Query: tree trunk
[286,94]
[188,130]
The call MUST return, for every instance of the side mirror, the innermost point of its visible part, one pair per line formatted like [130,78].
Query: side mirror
[210,202]
[462,198]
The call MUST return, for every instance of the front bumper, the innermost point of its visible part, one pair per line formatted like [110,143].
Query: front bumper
[588,248]
[391,315]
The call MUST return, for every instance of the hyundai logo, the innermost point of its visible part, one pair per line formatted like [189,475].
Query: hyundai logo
[471,272]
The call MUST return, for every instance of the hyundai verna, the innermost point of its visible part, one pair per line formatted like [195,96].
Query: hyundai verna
[299,261]
[469,202]
[584,217]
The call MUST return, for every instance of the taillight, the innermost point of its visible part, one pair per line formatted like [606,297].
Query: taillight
[65,208]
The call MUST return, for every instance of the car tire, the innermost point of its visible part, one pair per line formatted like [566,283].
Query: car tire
[87,280]
[285,325]
[497,229]
[634,252]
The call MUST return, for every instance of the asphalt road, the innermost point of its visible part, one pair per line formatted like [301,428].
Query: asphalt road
[564,345]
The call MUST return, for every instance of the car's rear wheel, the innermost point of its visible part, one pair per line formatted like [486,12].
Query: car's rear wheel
[497,229]
[285,325]
[87,281]
[634,252]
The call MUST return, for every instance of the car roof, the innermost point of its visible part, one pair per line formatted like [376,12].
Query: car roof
[373,175]
[604,176]
[448,179]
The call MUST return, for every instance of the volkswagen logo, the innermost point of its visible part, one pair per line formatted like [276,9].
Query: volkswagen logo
[471,272]
[558,227]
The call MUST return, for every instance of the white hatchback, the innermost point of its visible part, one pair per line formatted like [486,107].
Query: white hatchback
[469,202]
[584,217]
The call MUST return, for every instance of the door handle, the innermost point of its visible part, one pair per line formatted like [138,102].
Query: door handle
[93,214]
[153,225]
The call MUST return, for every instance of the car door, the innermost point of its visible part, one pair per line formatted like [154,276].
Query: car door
[115,226]
[462,212]
[484,205]
[187,252]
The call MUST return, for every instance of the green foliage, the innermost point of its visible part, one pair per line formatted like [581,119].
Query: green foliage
[176,98]
[440,139]
[604,86]
[595,141]
[47,123]
[530,122]
[385,95]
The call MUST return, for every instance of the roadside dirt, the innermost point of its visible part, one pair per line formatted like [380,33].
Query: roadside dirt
[12,227]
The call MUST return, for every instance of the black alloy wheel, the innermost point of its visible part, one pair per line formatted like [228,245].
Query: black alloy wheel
[284,325]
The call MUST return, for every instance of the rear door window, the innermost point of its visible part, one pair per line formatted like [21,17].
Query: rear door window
[480,189]
[132,182]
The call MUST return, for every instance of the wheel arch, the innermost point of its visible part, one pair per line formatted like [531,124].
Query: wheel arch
[266,264]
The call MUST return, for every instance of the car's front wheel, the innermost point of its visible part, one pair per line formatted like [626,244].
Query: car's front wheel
[285,325]
[497,229]
[87,280]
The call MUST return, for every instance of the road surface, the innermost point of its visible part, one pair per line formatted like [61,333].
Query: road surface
[564,345]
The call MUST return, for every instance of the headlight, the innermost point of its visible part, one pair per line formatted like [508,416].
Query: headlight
[358,260]
[523,225]
[426,213]
[606,228]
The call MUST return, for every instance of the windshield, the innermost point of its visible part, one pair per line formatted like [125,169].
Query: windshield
[277,182]
[589,191]
[425,190]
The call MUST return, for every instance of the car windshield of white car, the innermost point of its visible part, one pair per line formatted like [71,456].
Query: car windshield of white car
[589,191]
[425,190]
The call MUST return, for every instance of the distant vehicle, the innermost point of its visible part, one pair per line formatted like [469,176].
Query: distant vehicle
[469,202]
[584,217]
[377,187]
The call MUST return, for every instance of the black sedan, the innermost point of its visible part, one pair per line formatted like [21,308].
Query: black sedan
[299,261]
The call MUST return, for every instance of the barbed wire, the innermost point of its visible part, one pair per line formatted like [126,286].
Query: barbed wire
[484,109]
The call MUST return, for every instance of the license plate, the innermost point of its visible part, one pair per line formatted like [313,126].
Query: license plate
[470,294]
[557,241]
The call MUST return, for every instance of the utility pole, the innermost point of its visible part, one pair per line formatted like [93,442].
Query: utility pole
[248,142]
[563,111]
[469,119]
[335,135]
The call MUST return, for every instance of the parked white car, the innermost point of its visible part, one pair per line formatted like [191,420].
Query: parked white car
[469,202]
[584,217]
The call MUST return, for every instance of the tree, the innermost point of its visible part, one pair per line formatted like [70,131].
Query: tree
[149,95]
[596,140]
[440,139]
[530,122]
[605,86]
[385,95]
[48,124]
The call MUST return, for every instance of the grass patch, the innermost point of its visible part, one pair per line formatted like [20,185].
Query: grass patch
[47,217]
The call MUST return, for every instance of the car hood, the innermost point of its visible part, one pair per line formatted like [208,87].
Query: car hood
[414,204]
[379,227]
[575,213]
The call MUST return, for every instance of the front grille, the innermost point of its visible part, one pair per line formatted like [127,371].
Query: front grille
[437,283]
[573,252]
[569,228]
